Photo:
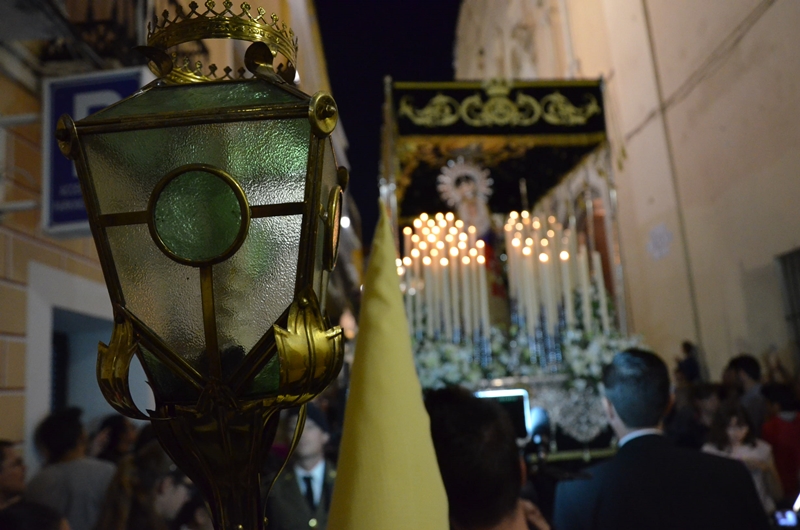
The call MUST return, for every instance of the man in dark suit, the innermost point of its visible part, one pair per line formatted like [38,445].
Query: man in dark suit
[650,484]
[301,496]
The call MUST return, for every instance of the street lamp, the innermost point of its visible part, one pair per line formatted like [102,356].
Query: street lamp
[214,203]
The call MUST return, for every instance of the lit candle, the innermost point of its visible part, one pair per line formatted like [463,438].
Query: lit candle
[484,295]
[454,291]
[465,289]
[426,265]
[475,288]
[546,269]
[436,306]
[418,289]
[586,301]
[446,315]
[566,287]
[531,306]
[597,265]
[407,231]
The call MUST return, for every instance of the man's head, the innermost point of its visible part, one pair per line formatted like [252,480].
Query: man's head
[747,369]
[478,458]
[12,472]
[311,446]
[637,387]
[61,435]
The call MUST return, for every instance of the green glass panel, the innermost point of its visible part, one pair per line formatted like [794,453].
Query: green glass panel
[162,293]
[197,216]
[192,97]
[328,181]
[267,158]
[267,381]
[257,284]
[167,386]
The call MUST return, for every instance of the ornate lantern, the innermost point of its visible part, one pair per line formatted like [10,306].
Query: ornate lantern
[215,205]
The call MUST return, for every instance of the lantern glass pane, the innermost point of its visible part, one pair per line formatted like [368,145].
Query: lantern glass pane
[257,284]
[166,385]
[162,293]
[194,97]
[267,158]
[328,181]
[266,381]
[197,216]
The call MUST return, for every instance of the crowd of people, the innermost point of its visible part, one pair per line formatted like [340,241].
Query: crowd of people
[691,454]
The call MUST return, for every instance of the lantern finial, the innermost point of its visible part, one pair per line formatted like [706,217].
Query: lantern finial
[211,22]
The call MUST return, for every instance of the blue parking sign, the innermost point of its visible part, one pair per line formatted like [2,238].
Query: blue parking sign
[63,211]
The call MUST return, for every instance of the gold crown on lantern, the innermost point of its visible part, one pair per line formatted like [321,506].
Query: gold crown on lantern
[169,31]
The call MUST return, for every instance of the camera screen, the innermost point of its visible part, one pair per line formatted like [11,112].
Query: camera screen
[516,404]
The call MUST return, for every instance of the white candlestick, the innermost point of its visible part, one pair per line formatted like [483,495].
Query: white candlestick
[475,289]
[548,294]
[446,314]
[531,302]
[426,265]
[484,296]
[566,287]
[586,300]
[597,264]
[467,291]
[454,291]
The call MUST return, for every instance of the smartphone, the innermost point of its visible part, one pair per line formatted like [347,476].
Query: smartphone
[517,402]
[788,518]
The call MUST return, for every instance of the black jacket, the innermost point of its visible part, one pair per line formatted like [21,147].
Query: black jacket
[651,484]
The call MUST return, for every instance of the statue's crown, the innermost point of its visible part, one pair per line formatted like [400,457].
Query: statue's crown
[169,31]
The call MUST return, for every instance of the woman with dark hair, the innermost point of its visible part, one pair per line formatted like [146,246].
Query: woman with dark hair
[25,515]
[114,439]
[732,436]
[147,492]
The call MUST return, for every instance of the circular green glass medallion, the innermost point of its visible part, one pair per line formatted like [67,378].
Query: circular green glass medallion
[199,215]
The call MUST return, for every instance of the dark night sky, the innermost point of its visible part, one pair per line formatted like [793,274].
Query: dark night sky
[365,40]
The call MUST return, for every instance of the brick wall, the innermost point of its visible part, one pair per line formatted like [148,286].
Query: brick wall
[22,241]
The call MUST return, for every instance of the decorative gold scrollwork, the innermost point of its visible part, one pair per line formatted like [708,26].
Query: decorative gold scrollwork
[499,109]
[440,111]
[113,365]
[310,355]
[558,110]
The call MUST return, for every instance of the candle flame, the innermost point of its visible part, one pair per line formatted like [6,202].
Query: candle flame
[442,223]
[462,245]
[444,262]
[423,245]
[513,215]
[400,271]
[426,231]
[465,260]
[459,223]
[431,238]
[551,233]
[439,216]
[480,243]
[449,216]
[454,251]
[430,222]
[536,224]
[509,227]
[417,223]
[481,260]
[415,238]
[529,241]
[449,238]
[515,242]
[551,219]
[472,229]
[423,217]
[453,230]
[398,262]
[545,242]
[414,252]
[436,230]
[440,245]
[525,214]
[526,251]
[462,236]
[407,261]
[473,252]
[426,261]
[407,230]
[543,257]
[519,227]
[564,255]
[434,252]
